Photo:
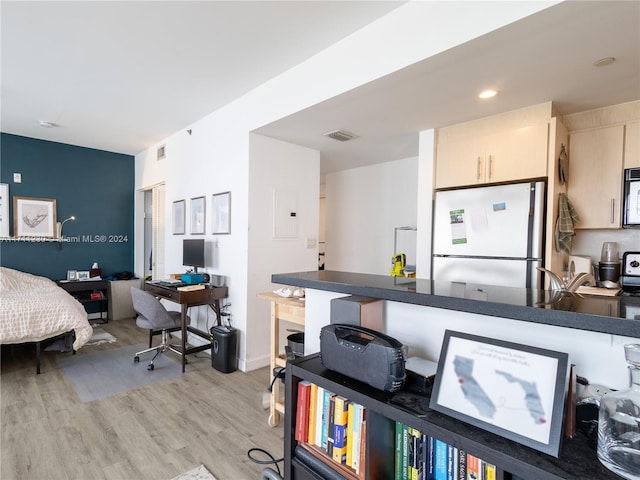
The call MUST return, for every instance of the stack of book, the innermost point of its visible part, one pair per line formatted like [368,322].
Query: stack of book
[421,457]
[331,424]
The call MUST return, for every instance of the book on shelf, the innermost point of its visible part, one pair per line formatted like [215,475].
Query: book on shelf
[350,420]
[473,467]
[302,411]
[340,421]
[358,429]
[312,413]
[462,465]
[440,460]
[325,418]
[330,424]
[320,416]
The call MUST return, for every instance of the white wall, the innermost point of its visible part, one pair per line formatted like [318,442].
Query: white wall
[363,206]
[277,165]
[215,158]
[421,329]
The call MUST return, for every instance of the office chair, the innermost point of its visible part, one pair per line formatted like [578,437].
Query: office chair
[154,317]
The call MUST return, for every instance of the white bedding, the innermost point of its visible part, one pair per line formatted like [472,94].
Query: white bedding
[34,308]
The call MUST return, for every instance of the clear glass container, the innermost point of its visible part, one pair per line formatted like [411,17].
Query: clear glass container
[619,423]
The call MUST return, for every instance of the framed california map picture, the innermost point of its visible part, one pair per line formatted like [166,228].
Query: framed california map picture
[513,390]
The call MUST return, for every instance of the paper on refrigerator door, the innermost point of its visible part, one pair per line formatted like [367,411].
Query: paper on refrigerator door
[458,228]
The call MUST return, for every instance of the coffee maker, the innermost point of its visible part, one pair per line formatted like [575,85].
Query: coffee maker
[609,266]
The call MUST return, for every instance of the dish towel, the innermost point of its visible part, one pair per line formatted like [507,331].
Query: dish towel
[567,218]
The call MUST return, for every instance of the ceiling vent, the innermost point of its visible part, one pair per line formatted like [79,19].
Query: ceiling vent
[341,135]
[160,154]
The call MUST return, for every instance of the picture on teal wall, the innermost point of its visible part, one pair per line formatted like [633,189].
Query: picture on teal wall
[34,217]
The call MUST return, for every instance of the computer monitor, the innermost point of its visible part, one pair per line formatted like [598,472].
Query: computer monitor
[193,253]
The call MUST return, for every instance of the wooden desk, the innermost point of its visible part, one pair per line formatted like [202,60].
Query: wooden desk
[208,296]
[291,310]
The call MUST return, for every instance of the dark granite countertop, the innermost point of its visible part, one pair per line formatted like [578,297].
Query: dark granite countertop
[618,315]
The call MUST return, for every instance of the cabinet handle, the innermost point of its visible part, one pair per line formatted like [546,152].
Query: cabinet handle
[613,210]
[490,166]
[478,168]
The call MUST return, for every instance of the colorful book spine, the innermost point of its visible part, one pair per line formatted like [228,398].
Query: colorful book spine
[462,465]
[430,462]
[325,418]
[489,471]
[398,452]
[440,460]
[312,413]
[302,411]
[350,420]
[473,467]
[452,461]
[414,453]
[332,411]
[319,416]
[357,435]
[405,452]
[340,421]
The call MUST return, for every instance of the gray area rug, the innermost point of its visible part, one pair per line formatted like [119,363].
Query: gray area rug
[110,372]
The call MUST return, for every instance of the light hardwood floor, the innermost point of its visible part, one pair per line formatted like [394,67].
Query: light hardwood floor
[155,432]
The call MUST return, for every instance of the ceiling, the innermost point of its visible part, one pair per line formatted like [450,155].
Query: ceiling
[122,76]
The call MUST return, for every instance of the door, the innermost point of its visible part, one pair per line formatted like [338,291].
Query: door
[486,221]
[505,273]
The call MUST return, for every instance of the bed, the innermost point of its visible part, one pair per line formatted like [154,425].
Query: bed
[35,308]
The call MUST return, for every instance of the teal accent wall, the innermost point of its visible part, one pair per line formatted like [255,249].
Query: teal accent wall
[94,185]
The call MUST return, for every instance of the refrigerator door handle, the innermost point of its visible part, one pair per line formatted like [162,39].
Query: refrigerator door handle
[488,257]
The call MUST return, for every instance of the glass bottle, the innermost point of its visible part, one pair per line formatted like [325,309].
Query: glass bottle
[619,423]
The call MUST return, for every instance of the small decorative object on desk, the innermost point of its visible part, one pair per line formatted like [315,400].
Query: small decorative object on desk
[619,423]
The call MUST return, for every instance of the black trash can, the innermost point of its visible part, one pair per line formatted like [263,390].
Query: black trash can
[224,348]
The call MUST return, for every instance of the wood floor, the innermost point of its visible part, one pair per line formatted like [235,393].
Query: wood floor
[156,432]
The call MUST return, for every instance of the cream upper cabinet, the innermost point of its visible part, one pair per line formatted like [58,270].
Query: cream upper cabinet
[632,145]
[518,154]
[507,155]
[459,162]
[595,176]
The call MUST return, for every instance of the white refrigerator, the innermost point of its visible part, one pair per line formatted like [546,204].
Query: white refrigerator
[491,235]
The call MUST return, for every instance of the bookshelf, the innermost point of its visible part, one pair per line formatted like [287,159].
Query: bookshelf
[577,458]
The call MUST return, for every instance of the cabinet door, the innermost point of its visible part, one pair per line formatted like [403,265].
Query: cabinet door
[459,163]
[632,145]
[595,176]
[517,154]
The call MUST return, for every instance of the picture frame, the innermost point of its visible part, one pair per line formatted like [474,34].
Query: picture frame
[221,220]
[72,275]
[4,209]
[34,217]
[83,275]
[179,218]
[198,219]
[513,390]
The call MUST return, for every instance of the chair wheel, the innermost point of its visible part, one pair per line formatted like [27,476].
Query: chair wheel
[150,367]
[136,359]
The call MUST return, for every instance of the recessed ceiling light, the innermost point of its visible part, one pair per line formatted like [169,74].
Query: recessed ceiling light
[45,124]
[490,93]
[603,62]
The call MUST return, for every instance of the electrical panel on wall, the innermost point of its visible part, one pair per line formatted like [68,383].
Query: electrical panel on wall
[285,215]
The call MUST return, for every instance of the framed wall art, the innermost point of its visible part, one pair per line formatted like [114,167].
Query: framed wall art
[198,205]
[34,217]
[4,210]
[178,217]
[221,213]
[513,390]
